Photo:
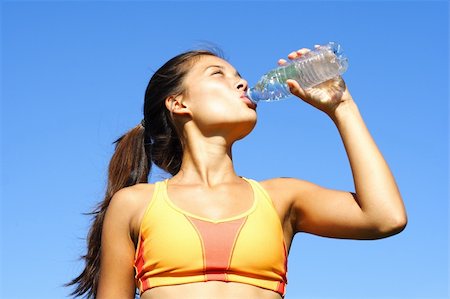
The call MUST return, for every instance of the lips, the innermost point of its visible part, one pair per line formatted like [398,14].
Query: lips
[247,101]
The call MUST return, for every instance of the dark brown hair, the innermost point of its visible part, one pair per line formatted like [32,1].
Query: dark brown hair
[154,141]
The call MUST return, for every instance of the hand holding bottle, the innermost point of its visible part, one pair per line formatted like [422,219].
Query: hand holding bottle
[326,96]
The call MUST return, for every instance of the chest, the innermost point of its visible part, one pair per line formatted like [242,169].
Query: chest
[215,205]
[178,241]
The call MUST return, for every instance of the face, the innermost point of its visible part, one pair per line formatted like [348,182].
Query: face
[215,96]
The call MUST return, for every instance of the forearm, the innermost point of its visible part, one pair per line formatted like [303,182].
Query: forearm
[375,186]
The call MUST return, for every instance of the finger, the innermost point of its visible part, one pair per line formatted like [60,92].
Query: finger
[297,54]
[295,88]
[292,55]
[303,51]
[282,61]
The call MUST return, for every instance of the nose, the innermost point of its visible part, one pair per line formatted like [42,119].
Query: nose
[242,84]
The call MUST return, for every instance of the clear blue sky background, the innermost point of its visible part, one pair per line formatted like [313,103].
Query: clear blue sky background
[73,79]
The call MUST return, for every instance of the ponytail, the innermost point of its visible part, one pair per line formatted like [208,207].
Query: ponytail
[129,166]
[159,143]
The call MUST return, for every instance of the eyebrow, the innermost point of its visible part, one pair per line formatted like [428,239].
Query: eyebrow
[222,68]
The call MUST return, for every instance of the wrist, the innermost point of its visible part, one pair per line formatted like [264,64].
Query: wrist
[343,111]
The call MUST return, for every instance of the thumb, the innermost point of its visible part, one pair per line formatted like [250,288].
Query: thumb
[295,88]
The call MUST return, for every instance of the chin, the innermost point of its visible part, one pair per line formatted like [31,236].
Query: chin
[246,128]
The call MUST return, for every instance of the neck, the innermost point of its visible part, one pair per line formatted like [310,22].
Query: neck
[206,161]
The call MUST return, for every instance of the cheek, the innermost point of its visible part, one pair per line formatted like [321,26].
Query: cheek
[213,104]
[216,107]
[210,101]
[212,112]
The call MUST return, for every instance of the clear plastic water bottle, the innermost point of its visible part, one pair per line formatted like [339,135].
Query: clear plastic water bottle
[317,66]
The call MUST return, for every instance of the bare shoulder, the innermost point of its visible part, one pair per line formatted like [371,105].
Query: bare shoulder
[286,189]
[129,203]
[130,198]
[286,192]
[283,192]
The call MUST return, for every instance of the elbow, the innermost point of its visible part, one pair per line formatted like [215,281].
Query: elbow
[392,225]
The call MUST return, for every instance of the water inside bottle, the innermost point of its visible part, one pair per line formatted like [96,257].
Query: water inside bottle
[311,69]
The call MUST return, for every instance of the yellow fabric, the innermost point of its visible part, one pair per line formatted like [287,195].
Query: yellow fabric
[177,247]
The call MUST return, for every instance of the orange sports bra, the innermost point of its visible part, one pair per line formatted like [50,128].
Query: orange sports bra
[177,247]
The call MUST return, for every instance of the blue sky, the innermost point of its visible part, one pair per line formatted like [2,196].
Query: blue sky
[73,78]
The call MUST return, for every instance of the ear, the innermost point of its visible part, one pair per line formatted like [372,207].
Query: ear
[176,106]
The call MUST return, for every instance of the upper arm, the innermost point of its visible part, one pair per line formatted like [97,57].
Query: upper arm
[326,212]
[117,250]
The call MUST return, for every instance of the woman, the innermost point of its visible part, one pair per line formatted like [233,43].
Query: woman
[207,232]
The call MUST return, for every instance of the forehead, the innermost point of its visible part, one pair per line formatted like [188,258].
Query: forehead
[206,61]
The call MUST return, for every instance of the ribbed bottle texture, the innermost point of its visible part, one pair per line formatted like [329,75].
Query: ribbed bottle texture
[317,66]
